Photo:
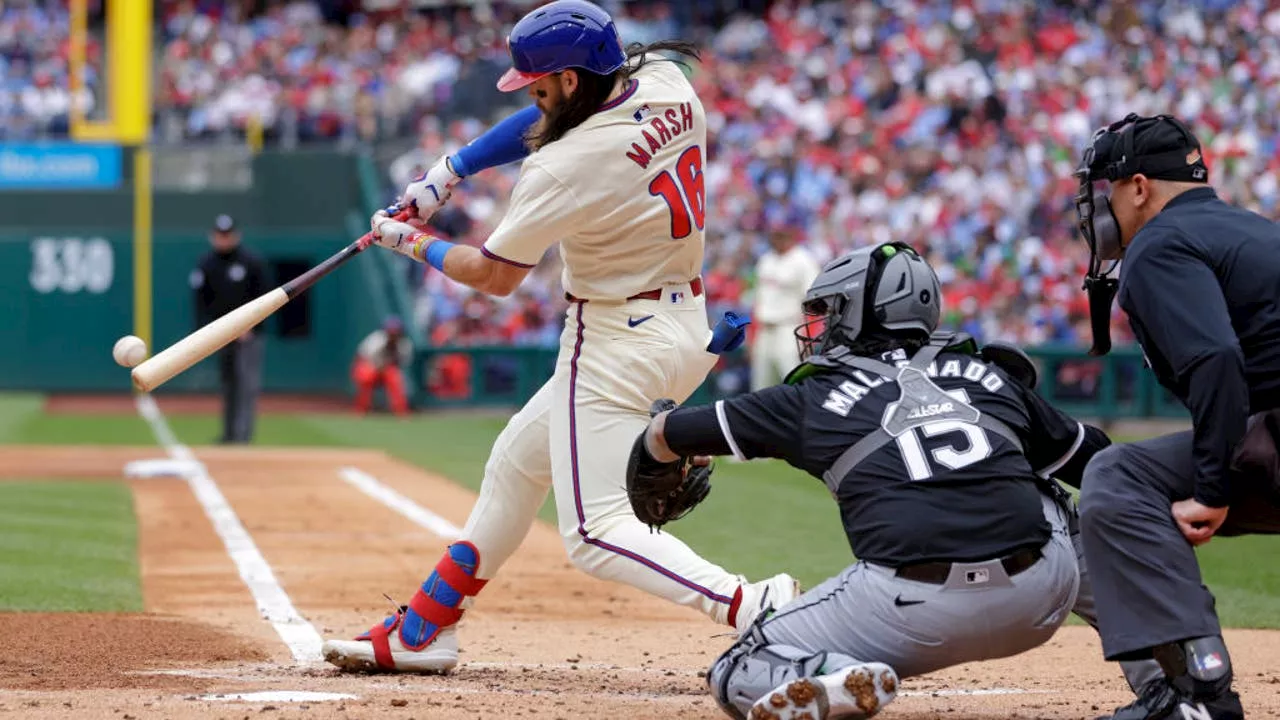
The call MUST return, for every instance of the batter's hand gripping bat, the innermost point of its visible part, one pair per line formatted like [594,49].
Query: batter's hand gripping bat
[158,369]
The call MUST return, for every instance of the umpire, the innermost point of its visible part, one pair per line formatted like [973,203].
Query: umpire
[1200,283]
[228,276]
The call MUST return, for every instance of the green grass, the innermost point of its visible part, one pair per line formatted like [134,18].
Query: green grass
[68,546]
[761,517]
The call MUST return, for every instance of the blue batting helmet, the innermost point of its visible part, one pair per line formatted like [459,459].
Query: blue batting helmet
[558,35]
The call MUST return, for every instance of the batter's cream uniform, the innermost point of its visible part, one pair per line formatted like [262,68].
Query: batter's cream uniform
[623,195]
[781,283]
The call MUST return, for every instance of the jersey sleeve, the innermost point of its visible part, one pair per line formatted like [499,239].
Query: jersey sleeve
[765,423]
[1054,435]
[542,212]
[1176,306]
[1059,446]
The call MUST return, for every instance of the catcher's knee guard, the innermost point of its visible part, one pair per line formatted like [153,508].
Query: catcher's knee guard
[438,603]
[752,668]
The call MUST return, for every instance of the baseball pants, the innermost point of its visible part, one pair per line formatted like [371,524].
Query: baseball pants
[773,355]
[576,435]
[1144,572]
[367,377]
[240,368]
[869,614]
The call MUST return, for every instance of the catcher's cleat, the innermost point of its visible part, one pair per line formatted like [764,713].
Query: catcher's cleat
[381,650]
[850,693]
[753,600]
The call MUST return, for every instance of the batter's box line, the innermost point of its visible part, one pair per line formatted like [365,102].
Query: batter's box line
[273,603]
[978,692]
[402,504]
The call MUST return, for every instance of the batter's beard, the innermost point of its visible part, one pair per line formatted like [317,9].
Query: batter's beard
[570,111]
[593,90]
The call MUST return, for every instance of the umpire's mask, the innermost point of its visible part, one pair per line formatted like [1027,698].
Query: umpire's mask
[884,291]
[1159,147]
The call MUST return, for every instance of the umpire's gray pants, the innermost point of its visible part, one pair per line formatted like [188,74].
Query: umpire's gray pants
[241,370]
[1143,571]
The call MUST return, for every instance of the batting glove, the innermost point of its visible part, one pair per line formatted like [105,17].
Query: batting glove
[385,213]
[401,237]
[429,192]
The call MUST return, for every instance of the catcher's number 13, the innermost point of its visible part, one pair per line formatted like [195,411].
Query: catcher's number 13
[950,456]
[692,203]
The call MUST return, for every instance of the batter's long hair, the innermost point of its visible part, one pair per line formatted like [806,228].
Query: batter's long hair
[593,90]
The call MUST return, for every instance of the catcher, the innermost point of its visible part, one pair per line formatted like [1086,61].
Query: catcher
[939,455]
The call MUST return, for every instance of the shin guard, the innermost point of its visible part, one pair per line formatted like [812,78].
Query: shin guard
[1199,667]
[437,604]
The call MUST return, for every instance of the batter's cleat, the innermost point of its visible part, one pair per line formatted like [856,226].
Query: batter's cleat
[761,598]
[850,693]
[1161,701]
[381,650]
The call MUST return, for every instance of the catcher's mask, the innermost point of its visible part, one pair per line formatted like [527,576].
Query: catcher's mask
[882,291]
[1110,156]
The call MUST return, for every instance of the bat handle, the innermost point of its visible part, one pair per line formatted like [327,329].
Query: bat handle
[367,239]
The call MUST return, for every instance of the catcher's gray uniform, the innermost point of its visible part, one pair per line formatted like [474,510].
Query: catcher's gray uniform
[991,592]
[941,463]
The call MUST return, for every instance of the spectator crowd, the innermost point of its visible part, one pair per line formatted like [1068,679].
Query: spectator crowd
[951,125]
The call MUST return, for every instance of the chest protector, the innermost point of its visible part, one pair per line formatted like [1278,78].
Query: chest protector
[920,402]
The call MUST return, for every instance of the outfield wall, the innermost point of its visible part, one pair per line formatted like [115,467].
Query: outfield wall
[67,260]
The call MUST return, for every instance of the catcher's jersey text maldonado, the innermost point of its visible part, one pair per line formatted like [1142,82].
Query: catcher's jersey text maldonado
[844,396]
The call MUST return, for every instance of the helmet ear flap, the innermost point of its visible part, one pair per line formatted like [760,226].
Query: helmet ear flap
[905,293]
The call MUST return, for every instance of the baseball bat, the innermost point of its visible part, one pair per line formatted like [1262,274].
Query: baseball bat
[178,357]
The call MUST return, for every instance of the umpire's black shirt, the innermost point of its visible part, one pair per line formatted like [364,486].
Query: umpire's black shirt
[941,492]
[1201,285]
[224,281]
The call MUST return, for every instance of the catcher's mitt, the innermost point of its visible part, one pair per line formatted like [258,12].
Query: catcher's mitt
[663,492]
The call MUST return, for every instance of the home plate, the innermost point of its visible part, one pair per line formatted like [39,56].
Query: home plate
[279,696]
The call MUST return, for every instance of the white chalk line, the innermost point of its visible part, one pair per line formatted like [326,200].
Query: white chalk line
[301,636]
[402,504]
[979,692]
[273,602]
[299,696]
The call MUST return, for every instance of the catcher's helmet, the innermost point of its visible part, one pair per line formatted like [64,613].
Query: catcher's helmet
[885,291]
[558,35]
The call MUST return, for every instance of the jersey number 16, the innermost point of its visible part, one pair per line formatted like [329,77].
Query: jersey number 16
[692,202]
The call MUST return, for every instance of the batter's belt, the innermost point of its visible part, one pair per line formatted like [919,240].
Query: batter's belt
[936,573]
[695,285]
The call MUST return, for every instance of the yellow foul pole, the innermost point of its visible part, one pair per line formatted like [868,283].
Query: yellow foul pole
[130,23]
[127,79]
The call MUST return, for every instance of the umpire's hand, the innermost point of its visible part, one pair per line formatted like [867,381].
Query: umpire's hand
[1198,522]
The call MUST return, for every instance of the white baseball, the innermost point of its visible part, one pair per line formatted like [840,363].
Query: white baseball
[129,351]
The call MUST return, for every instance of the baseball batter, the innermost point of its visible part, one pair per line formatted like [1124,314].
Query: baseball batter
[783,275]
[939,455]
[614,153]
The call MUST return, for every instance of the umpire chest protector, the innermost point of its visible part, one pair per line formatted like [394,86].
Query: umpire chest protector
[920,402]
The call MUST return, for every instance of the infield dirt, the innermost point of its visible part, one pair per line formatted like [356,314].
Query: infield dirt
[543,641]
